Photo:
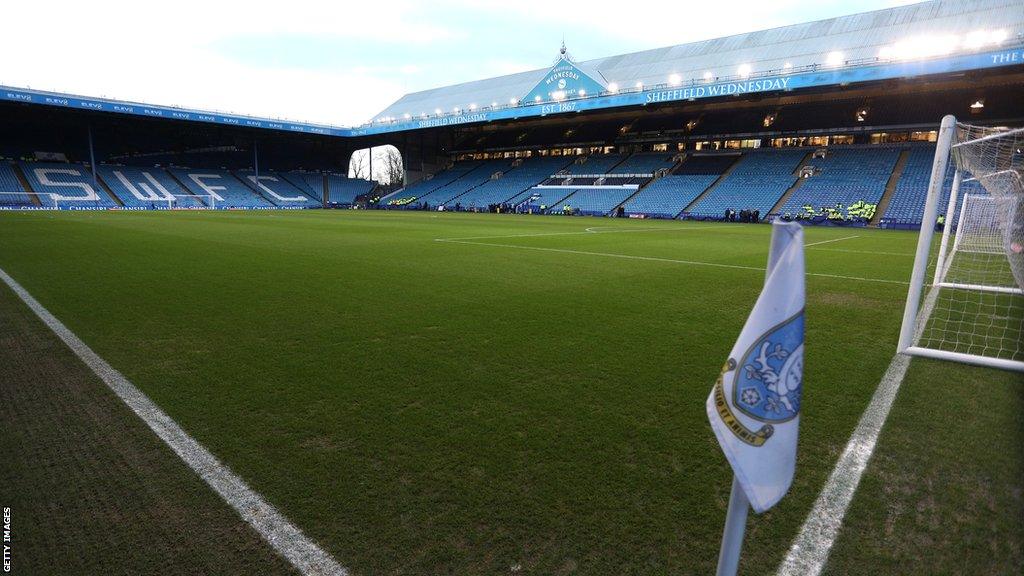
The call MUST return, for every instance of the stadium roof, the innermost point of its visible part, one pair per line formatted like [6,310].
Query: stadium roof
[930,38]
[923,28]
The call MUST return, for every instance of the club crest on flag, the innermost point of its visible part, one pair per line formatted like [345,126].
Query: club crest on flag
[754,406]
[767,387]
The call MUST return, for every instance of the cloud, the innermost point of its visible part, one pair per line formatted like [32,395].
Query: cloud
[179,55]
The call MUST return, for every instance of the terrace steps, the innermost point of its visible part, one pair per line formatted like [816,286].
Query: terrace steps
[633,195]
[105,188]
[23,180]
[721,177]
[792,189]
[890,187]
[202,201]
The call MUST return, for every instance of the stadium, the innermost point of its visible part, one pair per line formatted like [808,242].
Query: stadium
[231,348]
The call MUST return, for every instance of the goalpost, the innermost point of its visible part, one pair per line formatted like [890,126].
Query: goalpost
[973,309]
[192,202]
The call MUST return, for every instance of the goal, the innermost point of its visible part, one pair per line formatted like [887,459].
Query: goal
[192,202]
[973,308]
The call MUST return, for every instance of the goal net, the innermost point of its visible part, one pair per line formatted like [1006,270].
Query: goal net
[973,309]
[192,202]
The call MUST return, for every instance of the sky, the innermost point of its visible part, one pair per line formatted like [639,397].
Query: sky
[340,63]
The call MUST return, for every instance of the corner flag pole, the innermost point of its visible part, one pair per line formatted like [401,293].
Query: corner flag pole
[732,536]
[739,504]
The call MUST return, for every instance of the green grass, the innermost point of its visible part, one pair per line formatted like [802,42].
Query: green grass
[91,489]
[425,407]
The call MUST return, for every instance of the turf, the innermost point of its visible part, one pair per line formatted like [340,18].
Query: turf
[531,403]
[943,493]
[91,489]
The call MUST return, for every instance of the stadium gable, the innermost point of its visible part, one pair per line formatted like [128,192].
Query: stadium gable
[919,39]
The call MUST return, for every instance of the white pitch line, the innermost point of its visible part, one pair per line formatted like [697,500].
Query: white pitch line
[830,241]
[657,259]
[871,252]
[812,546]
[591,230]
[277,530]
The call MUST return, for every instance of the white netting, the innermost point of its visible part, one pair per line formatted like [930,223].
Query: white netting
[995,158]
[976,305]
[192,202]
[978,308]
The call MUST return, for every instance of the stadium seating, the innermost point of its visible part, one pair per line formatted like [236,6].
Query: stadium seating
[906,207]
[847,175]
[757,182]
[311,183]
[468,181]
[511,185]
[907,203]
[421,188]
[12,193]
[533,199]
[596,164]
[595,201]
[278,190]
[666,197]
[66,185]
[146,188]
[343,191]
[707,164]
[226,190]
[644,163]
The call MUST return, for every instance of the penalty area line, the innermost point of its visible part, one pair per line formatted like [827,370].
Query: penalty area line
[272,526]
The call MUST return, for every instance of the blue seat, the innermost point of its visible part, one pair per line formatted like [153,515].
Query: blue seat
[219,187]
[666,197]
[277,189]
[342,190]
[12,193]
[512,183]
[595,201]
[66,186]
[757,182]
[846,176]
[146,188]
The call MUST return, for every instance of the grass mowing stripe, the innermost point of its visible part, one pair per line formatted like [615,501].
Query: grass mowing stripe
[657,259]
[277,530]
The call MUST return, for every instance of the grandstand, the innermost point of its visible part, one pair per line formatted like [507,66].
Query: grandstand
[146,188]
[844,176]
[509,184]
[278,190]
[69,186]
[671,133]
[756,182]
[668,196]
[219,187]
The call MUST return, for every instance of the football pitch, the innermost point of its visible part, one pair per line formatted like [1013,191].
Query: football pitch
[440,393]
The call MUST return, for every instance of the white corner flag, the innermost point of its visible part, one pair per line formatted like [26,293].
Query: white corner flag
[754,406]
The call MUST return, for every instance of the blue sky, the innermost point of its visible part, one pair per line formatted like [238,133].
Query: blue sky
[339,63]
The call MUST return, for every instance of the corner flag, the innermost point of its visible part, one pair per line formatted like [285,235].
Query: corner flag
[754,406]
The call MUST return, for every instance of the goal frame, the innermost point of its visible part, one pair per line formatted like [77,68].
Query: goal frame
[919,303]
